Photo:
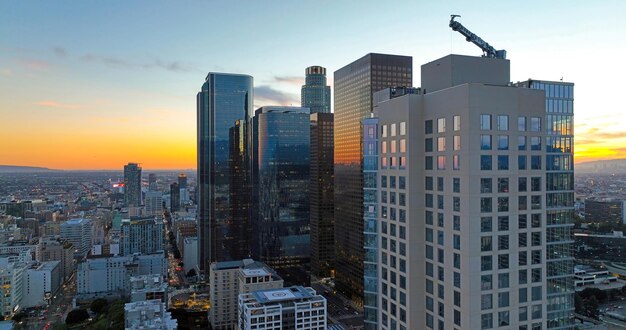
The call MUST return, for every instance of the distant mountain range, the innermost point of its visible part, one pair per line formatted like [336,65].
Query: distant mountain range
[612,166]
[23,169]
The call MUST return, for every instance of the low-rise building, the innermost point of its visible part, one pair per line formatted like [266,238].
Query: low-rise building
[56,249]
[148,314]
[295,307]
[148,287]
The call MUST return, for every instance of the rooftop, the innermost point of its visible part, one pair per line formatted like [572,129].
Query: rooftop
[283,294]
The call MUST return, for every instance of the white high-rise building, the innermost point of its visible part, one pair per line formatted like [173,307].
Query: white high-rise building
[465,221]
[228,280]
[295,307]
[141,236]
[12,269]
[41,282]
[79,232]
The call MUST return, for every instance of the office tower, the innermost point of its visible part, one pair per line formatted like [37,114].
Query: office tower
[321,190]
[559,202]
[154,203]
[53,249]
[184,191]
[79,232]
[152,182]
[174,197]
[315,95]
[281,231]
[295,307]
[232,278]
[224,104]
[141,236]
[605,211]
[354,85]
[467,157]
[132,184]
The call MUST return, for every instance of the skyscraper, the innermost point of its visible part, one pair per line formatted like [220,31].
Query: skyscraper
[224,104]
[152,182]
[141,236]
[315,95]
[354,85]
[174,197]
[132,184]
[184,191]
[154,203]
[282,225]
[321,190]
[467,160]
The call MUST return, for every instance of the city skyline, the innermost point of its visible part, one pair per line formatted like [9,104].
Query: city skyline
[93,86]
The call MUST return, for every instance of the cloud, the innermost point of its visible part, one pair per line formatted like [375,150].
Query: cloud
[58,105]
[35,64]
[6,72]
[265,95]
[174,66]
[294,80]
[59,51]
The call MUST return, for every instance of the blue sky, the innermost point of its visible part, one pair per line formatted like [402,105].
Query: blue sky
[124,65]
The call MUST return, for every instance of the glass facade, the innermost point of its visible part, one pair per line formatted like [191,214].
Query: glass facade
[322,190]
[223,110]
[370,239]
[354,85]
[559,206]
[282,228]
[315,94]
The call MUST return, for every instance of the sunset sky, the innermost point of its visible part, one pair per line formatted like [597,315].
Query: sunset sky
[97,84]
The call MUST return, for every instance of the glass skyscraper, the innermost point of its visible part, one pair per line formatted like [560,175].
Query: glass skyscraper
[132,184]
[315,95]
[281,231]
[559,166]
[354,85]
[322,190]
[370,206]
[224,106]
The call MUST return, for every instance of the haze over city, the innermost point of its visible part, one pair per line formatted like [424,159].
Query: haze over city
[92,85]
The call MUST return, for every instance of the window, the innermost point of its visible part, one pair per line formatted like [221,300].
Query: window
[456,185]
[486,321]
[485,185]
[428,182]
[393,129]
[503,142]
[522,203]
[402,182]
[457,123]
[535,143]
[456,222]
[503,242]
[536,238]
[456,162]
[522,239]
[503,261]
[521,162]
[485,205]
[384,133]
[428,162]
[441,162]
[523,314]
[503,204]
[535,162]
[535,220]
[456,204]
[485,162]
[441,143]
[503,299]
[535,124]
[503,162]
[535,202]
[503,318]
[486,243]
[485,224]
[503,223]
[521,184]
[485,142]
[535,184]
[486,301]
[486,263]
[428,127]
[522,277]
[521,124]
[522,257]
[456,143]
[402,128]
[521,143]
[383,162]
[503,185]
[486,282]
[485,122]
[503,123]
[428,144]
[392,182]
[536,311]
[441,125]
[402,145]
[439,183]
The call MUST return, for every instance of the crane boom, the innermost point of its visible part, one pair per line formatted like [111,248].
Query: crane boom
[488,50]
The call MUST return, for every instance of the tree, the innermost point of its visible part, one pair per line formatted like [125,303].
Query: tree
[19,317]
[99,305]
[76,316]
[191,272]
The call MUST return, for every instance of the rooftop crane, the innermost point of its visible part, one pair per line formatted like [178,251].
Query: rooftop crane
[488,50]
